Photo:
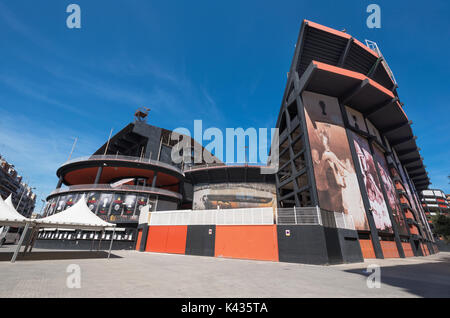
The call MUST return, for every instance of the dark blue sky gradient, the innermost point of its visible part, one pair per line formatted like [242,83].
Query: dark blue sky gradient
[224,62]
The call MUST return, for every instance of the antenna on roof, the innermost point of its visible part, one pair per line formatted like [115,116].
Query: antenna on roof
[141,114]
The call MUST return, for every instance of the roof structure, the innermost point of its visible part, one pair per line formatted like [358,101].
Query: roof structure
[8,214]
[79,216]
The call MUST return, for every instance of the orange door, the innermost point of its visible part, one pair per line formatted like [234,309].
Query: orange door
[257,242]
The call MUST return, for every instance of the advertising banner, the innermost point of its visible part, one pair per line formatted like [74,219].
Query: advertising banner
[130,204]
[337,184]
[234,196]
[117,204]
[60,206]
[141,202]
[372,183]
[389,188]
[92,201]
[105,203]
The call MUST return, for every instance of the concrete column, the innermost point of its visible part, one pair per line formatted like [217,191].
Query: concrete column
[99,174]
[60,181]
[155,177]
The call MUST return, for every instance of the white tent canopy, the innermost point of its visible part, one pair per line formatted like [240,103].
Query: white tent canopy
[78,216]
[9,216]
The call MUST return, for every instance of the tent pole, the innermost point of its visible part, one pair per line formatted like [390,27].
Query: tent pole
[101,237]
[25,230]
[34,240]
[28,245]
[110,246]
[93,238]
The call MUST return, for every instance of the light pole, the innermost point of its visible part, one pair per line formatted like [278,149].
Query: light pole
[42,207]
[23,192]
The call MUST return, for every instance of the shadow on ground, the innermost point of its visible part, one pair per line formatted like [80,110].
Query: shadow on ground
[56,255]
[430,280]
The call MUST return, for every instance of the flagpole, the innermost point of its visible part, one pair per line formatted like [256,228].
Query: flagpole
[107,144]
[73,148]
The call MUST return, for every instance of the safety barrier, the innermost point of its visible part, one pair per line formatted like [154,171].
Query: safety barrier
[254,216]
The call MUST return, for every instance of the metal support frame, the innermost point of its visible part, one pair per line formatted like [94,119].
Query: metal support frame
[19,245]
[379,107]
[112,239]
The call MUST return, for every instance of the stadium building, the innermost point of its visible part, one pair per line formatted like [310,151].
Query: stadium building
[346,189]
[12,184]
[434,202]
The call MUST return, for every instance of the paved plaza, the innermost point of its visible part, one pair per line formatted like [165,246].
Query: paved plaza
[45,273]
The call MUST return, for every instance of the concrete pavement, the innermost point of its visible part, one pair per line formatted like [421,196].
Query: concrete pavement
[134,274]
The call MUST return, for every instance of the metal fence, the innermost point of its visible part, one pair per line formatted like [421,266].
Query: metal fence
[108,187]
[254,216]
[125,158]
[299,216]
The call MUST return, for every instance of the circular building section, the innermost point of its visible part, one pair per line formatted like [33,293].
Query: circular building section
[117,187]
[231,187]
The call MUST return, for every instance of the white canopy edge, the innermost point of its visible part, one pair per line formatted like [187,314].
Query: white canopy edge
[77,217]
[9,216]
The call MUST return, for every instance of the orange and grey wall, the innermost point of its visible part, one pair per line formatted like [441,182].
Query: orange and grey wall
[309,244]
[306,244]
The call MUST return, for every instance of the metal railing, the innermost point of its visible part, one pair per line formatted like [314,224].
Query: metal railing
[299,216]
[212,165]
[108,187]
[254,216]
[124,158]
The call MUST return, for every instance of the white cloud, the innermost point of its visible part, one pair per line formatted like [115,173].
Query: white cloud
[37,150]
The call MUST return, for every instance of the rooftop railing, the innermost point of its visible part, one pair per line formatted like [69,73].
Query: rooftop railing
[108,187]
[254,216]
[123,158]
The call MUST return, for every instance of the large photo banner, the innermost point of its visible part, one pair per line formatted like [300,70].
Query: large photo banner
[337,184]
[373,185]
[234,196]
[389,188]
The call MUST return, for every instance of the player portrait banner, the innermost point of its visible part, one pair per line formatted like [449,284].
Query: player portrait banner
[372,184]
[105,203]
[234,196]
[389,188]
[336,180]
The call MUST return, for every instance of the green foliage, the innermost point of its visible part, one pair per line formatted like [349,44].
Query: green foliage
[441,225]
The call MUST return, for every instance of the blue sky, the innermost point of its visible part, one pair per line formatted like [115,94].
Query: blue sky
[224,62]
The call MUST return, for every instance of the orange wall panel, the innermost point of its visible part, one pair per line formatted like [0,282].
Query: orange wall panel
[156,239]
[407,249]
[367,248]
[138,242]
[257,242]
[167,239]
[389,249]
[176,239]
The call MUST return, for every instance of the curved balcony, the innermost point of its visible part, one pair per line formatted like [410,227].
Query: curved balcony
[84,170]
[217,173]
[137,160]
[109,188]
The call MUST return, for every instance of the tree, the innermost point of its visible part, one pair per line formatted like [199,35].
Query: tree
[441,225]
